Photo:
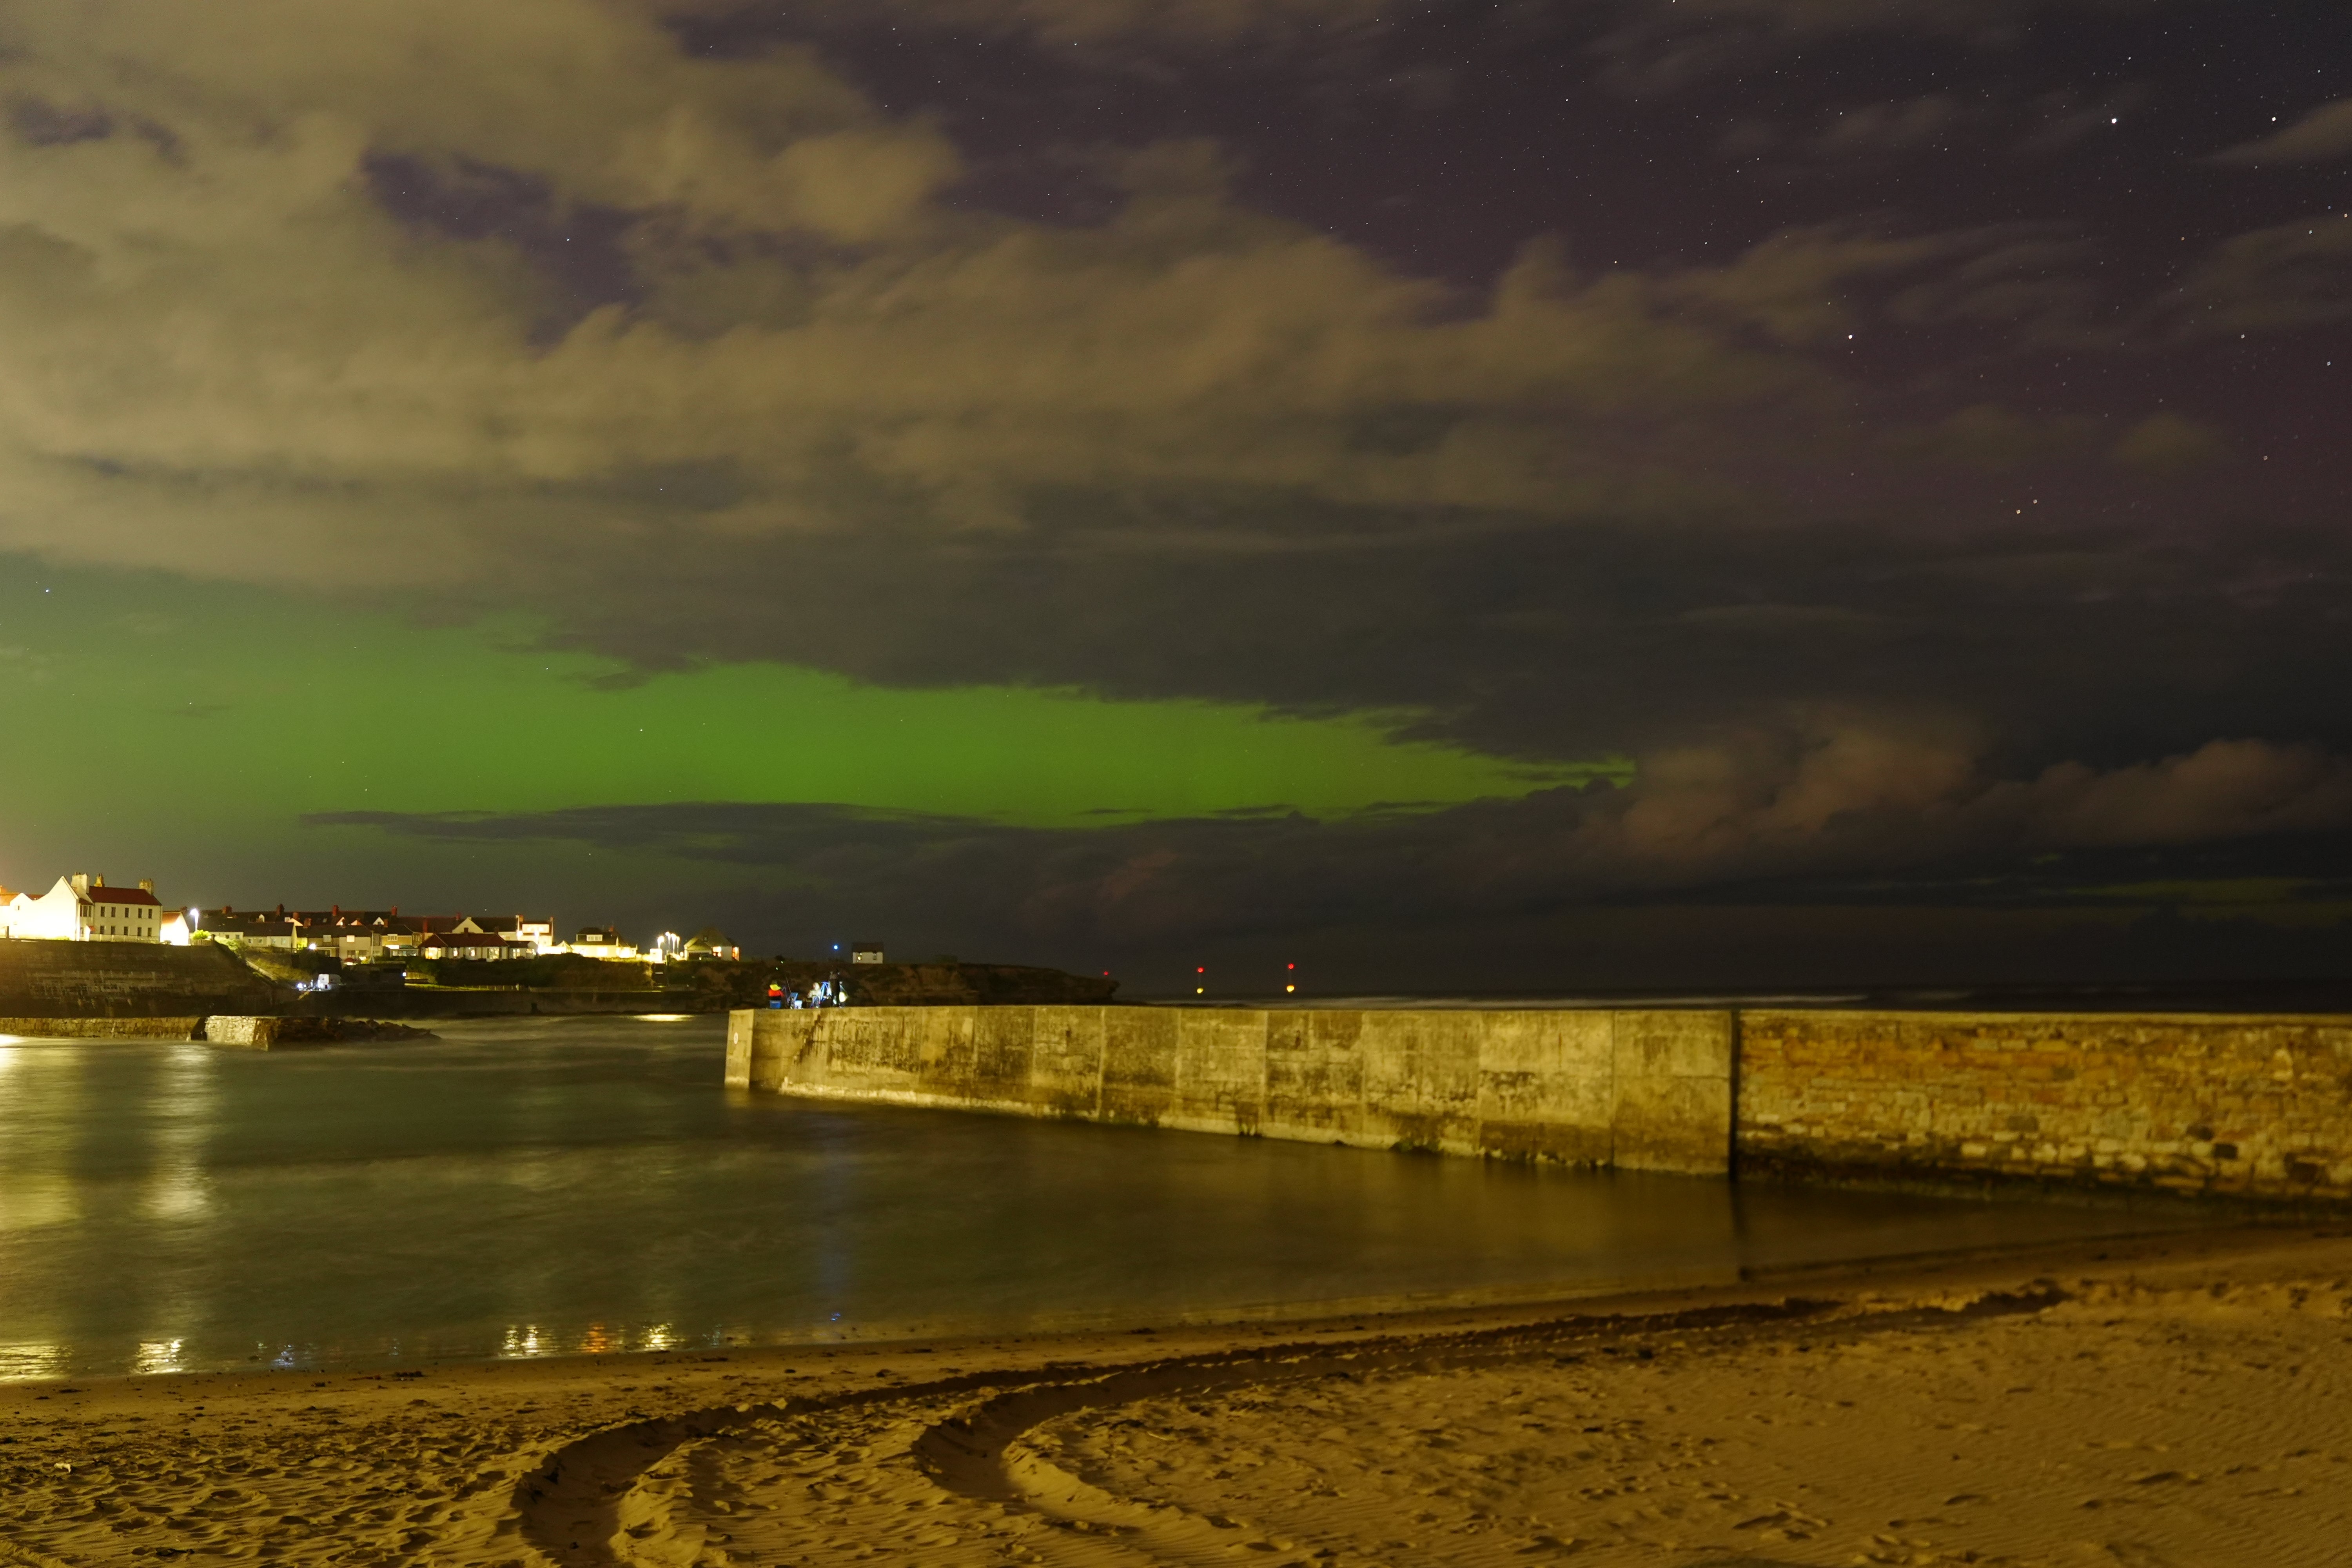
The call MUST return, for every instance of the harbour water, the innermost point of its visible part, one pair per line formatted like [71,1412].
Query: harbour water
[559,1186]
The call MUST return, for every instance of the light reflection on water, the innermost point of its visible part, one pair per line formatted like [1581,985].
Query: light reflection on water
[533,1188]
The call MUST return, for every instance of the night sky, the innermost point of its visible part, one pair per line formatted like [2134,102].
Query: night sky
[1596,493]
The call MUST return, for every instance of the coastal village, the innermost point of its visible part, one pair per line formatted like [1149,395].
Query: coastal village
[85,907]
[84,947]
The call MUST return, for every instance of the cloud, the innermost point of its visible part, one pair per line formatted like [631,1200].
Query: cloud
[2163,444]
[1790,285]
[1674,46]
[1877,129]
[1988,20]
[1993,438]
[2228,789]
[312,331]
[1190,23]
[2286,278]
[2033,279]
[700,357]
[801,314]
[2322,136]
[1827,797]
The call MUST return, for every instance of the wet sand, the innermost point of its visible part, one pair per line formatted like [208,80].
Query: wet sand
[2177,1401]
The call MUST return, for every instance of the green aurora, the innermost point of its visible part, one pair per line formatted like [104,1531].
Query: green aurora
[206,721]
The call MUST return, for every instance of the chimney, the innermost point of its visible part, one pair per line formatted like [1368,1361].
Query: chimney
[147,885]
[81,880]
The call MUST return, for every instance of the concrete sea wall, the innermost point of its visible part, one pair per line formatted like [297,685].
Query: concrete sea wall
[2254,1107]
[2249,1106]
[1635,1091]
[127,980]
[272,1033]
[103,1028]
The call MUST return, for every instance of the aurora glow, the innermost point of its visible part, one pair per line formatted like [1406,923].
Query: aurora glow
[1471,495]
[268,712]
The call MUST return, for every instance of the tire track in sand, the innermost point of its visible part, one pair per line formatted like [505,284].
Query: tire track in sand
[578,1507]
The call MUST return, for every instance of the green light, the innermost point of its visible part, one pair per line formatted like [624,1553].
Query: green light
[228,712]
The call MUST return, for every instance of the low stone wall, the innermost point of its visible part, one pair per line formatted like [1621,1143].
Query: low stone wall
[220,1029]
[127,980]
[2256,1107]
[103,1028]
[1635,1091]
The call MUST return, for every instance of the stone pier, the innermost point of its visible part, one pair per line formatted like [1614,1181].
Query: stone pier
[1630,1090]
[2253,1107]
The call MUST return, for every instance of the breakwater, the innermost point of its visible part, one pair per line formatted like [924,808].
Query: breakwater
[2242,1106]
[272,1033]
[2247,1106]
[1630,1091]
[103,1028]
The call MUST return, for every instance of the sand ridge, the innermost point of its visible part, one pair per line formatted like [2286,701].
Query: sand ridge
[2178,1401]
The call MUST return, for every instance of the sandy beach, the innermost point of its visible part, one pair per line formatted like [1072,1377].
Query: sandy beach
[2177,1401]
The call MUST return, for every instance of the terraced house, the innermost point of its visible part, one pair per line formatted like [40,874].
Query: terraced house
[83,908]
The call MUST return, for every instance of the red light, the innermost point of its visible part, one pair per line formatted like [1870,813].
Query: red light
[1203,969]
[1290,966]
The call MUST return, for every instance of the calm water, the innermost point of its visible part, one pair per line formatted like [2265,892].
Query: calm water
[534,1186]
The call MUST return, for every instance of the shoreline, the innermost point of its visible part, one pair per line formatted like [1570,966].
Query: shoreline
[1074,1446]
[2165,1217]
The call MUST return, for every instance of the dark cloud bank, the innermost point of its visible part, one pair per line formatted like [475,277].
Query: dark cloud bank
[1911,431]
[1832,858]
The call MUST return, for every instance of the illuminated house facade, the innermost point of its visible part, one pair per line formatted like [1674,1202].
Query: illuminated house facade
[540,933]
[365,936]
[82,908]
[710,943]
[473,944]
[600,942]
[355,936]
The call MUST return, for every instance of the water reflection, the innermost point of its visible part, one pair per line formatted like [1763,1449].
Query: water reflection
[34,1359]
[540,1187]
[182,1108]
[159,1355]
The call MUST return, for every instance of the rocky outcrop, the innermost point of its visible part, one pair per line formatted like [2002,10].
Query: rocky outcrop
[278,1033]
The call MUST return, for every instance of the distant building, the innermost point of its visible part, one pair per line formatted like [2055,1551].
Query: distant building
[362,936]
[355,936]
[866,953]
[710,943]
[82,908]
[540,933]
[275,929]
[600,942]
[473,944]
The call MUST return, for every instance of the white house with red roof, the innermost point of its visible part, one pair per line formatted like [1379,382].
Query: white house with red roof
[82,908]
